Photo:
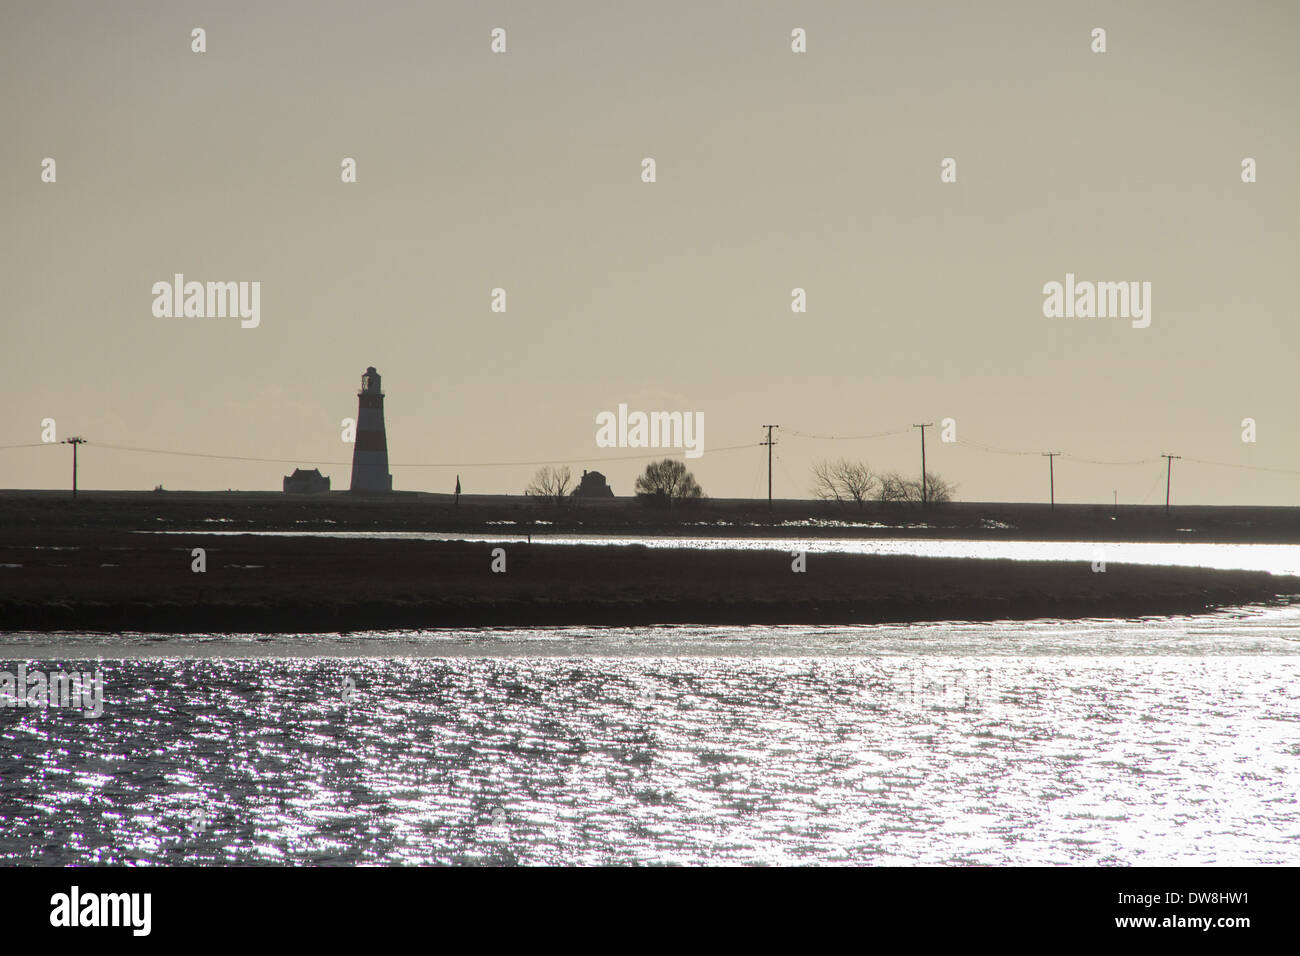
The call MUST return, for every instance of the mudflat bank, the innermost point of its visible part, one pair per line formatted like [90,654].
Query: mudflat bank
[105,580]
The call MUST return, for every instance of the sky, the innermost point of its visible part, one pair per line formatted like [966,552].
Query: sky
[775,170]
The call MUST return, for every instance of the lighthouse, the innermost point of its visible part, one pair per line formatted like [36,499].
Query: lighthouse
[370,453]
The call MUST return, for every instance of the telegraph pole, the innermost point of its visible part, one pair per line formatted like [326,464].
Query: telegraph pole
[1051,473]
[924,490]
[769,444]
[1169,476]
[74,442]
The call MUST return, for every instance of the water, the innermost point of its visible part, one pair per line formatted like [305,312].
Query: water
[1163,741]
[1274,558]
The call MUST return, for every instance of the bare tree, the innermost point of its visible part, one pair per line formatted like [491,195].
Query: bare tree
[892,487]
[844,480]
[824,485]
[550,484]
[937,490]
[857,481]
[667,481]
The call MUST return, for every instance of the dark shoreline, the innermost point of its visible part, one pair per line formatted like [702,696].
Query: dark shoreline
[120,581]
[53,512]
[361,618]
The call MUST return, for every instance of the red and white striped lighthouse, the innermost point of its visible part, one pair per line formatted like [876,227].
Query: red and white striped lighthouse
[370,453]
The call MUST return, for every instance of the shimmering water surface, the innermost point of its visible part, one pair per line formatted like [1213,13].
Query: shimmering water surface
[1173,740]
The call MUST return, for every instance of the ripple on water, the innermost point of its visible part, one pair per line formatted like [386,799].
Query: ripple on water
[886,759]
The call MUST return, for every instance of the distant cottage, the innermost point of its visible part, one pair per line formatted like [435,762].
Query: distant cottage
[593,486]
[303,481]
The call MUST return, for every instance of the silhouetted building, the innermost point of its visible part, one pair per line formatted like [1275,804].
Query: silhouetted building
[593,486]
[303,481]
[370,453]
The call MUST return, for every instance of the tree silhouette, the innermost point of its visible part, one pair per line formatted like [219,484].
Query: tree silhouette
[667,481]
[892,487]
[937,490]
[550,484]
[844,480]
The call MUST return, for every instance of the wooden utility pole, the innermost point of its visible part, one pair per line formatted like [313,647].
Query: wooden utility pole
[924,489]
[1169,476]
[1051,473]
[769,444]
[74,442]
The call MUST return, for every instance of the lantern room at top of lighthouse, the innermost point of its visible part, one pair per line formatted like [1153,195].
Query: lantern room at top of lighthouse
[370,382]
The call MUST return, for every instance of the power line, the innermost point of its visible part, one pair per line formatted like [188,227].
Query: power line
[74,442]
[1169,477]
[1066,455]
[569,461]
[1051,457]
[769,444]
[199,454]
[786,471]
[923,481]
[1095,461]
[1154,484]
[442,464]
[1227,464]
[996,451]
[901,431]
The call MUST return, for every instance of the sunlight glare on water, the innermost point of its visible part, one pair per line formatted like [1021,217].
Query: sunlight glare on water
[1165,741]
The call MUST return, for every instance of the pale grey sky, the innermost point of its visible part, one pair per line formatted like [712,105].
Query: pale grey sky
[775,170]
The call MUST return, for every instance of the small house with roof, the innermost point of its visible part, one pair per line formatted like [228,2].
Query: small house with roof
[303,481]
[593,485]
